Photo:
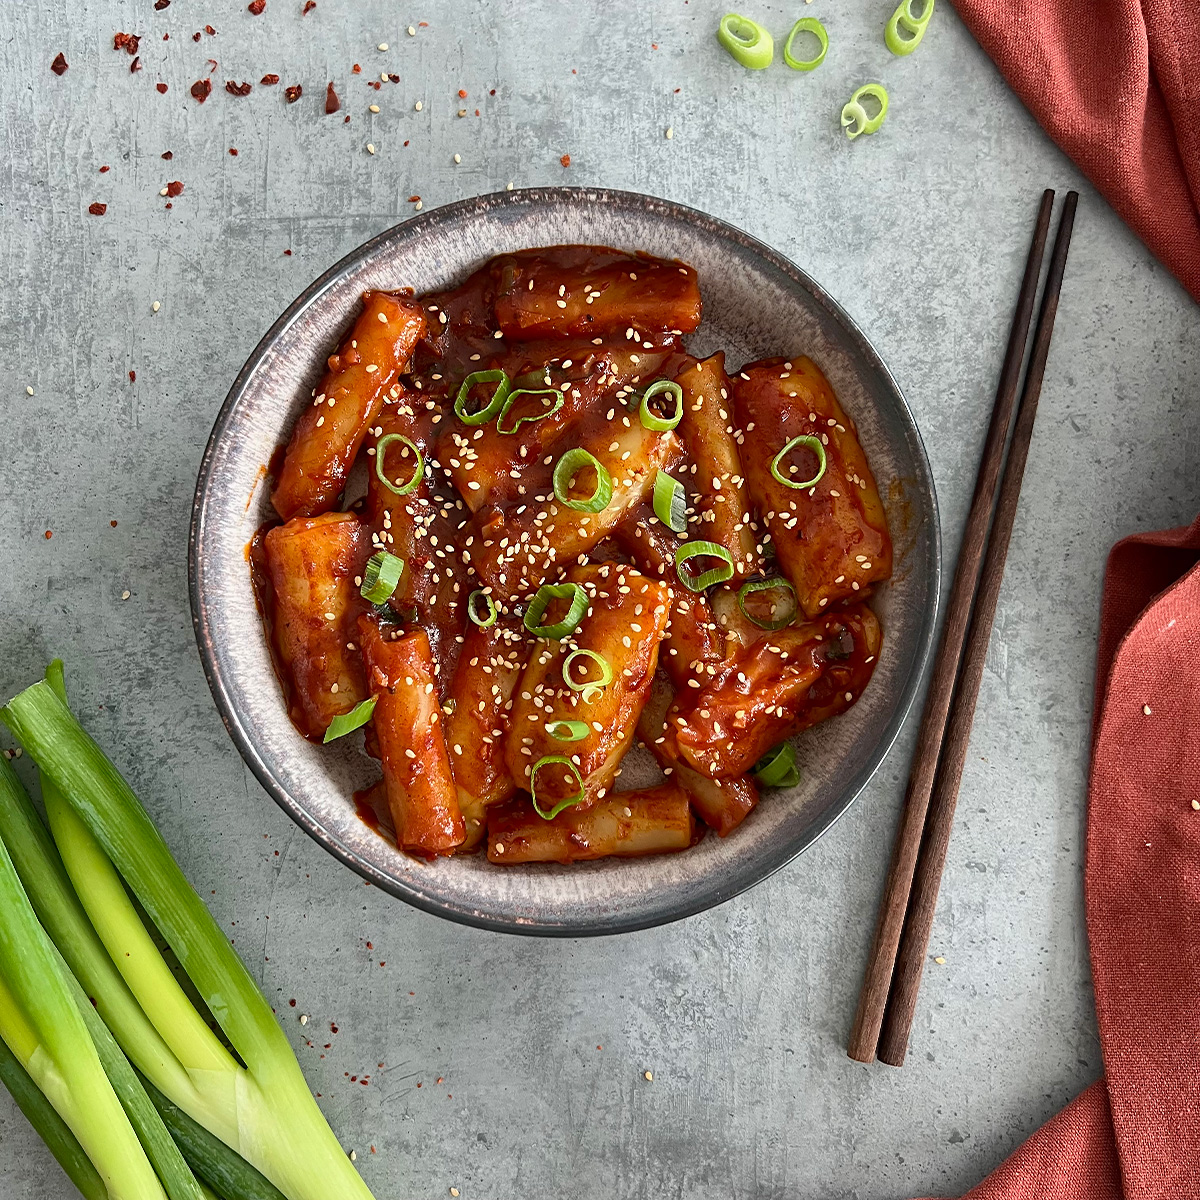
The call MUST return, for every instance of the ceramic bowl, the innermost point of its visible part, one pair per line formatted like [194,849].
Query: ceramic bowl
[756,304]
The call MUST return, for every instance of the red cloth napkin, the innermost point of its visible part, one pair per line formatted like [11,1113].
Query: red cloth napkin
[1135,1135]
[1116,83]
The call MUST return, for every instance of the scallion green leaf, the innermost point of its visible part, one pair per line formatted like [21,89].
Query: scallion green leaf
[567,731]
[914,26]
[650,418]
[777,768]
[809,442]
[380,577]
[381,449]
[488,617]
[855,119]
[775,583]
[567,469]
[512,399]
[345,723]
[670,502]
[807,25]
[574,798]
[698,583]
[587,685]
[546,595]
[483,415]
[748,42]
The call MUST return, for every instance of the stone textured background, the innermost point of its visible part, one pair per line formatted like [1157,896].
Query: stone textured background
[920,232]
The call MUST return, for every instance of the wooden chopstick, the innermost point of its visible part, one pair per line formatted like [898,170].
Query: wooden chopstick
[918,923]
[872,1000]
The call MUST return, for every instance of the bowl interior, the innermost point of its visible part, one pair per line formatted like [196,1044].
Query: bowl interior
[756,304]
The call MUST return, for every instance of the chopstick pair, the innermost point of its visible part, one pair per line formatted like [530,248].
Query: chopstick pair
[888,998]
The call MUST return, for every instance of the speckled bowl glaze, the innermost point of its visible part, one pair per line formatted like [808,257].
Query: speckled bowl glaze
[756,304]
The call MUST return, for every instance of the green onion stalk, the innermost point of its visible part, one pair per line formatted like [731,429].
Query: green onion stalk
[260,1107]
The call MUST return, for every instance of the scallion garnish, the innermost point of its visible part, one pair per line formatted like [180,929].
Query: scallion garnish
[775,583]
[546,595]
[574,798]
[854,114]
[382,574]
[587,686]
[813,26]
[483,415]
[670,503]
[748,42]
[809,442]
[511,400]
[697,583]
[567,469]
[567,731]
[651,419]
[381,449]
[912,24]
[346,723]
[487,618]
[777,768]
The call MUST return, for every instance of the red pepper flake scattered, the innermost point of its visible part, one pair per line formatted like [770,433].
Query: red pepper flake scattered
[678,90]
[97,209]
[127,42]
[346,121]
[492,92]
[159,5]
[370,947]
[212,64]
[406,143]
[372,1149]
[394,79]
[423,24]
[309,5]
[195,37]
[333,1028]
[174,188]
[441,1079]
[210,31]
[413,199]
[237,89]
[356,69]
[653,45]
[113,523]
[233,154]
[383,964]
[565,160]
[170,205]
[269,80]
[48,535]
[291,1004]
[162,88]
[133,377]
[574,71]
[201,90]
[105,170]
[166,37]
[293,93]
[136,65]
[477,112]
[168,155]
[462,95]
[418,1085]
[256,7]
[332,103]
[59,65]
[374,83]
[288,253]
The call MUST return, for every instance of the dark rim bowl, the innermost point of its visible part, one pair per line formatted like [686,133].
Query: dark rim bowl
[756,304]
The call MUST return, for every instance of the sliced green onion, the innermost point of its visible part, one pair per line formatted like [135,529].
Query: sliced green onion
[697,583]
[575,798]
[512,398]
[586,686]
[546,595]
[381,576]
[670,503]
[381,449]
[912,24]
[651,419]
[565,471]
[748,42]
[483,415]
[346,723]
[488,617]
[809,442]
[775,583]
[567,731]
[777,768]
[855,113]
[813,26]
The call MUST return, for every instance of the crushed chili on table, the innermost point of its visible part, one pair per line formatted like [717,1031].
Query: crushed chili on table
[168,155]
[136,65]
[210,31]
[159,5]
[237,89]
[565,160]
[174,188]
[332,103]
[97,209]
[269,80]
[196,36]
[233,153]
[105,170]
[201,89]
[162,88]
[293,93]
[133,377]
[257,7]
[309,5]
[60,64]
[127,42]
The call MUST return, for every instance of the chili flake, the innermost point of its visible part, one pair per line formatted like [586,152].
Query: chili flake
[127,42]
[233,151]
[162,88]
[565,160]
[175,188]
[133,377]
[332,103]
[210,31]
[237,89]
[256,7]
[60,64]
[136,65]
[309,5]
[97,209]
[168,155]
[105,170]
[196,36]
[269,80]
[293,93]
[462,94]
[201,90]
[356,69]
[159,5]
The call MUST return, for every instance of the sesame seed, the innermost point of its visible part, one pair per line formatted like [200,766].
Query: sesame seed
[155,306]
[418,106]
[383,45]
[499,847]
[670,132]
[373,108]
[28,390]
[412,32]
[941,962]
[648,1076]
[1146,709]
[370,147]
[458,158]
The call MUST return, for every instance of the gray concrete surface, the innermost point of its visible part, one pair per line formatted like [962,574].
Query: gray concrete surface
[740,1013]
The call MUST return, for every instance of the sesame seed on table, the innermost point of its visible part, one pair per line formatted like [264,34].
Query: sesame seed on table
[175,260]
